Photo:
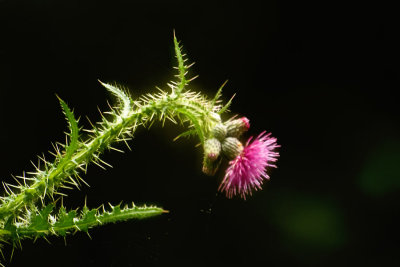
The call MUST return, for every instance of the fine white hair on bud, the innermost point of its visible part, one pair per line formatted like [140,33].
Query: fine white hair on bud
[219,132]
[212,159]
[212,149]
[215,116]
[232,147]
[235,128]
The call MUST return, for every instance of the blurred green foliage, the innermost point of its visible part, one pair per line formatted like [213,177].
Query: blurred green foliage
[381,171]
[309,222]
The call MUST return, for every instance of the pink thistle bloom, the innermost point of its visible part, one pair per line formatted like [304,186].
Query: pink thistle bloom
[247,171]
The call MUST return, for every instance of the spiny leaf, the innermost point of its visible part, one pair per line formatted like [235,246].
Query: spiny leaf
[88,218]
[42,223]
[187,133]
[122,96]
[195,122]
[39,222]
[64,220]
[225,108]
[182,68]
[117,214]
[73,125]
[218,94]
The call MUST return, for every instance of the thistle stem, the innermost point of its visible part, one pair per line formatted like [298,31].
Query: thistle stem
[46,182]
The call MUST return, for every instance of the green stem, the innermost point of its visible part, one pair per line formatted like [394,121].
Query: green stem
[46,182]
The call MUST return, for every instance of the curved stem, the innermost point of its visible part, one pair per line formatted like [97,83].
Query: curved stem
[46,182]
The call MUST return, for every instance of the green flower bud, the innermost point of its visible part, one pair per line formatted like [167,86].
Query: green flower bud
[211,160]
[231,147]
[219,131]
[236,128]
[212,149]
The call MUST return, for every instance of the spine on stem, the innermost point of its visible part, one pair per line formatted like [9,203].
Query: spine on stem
[24,210]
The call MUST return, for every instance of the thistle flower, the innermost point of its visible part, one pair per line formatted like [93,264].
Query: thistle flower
[247,171]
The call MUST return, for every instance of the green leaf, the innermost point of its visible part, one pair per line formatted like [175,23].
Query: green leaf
[87,219]
[73,125]
[122,96]
[64,221]
[117,214]
[193,119]
[218,94]
[182,68]
[39,222]
[187,133]
[42,223]
[225,108]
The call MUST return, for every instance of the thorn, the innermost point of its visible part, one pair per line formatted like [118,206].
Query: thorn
[108,104]
[47,240]
[151,124]
[15,186]
[53,154]
[78,165]
[91,124]
[126,143]
[34,166]
[190,65]
[16,180]
[82,180]
[5,188]
[191,79]
[172,119]
[1,252]
[45,188]
[98,164]
[105,163]
[118,150]
[61,194]
[89,235]
[73,182]
[12,254]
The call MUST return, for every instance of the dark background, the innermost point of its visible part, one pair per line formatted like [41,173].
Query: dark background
[320,77]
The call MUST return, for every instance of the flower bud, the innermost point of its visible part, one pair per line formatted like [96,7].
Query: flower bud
[236,128]
[212,149]
[219,131]
[210,167]
[232,147]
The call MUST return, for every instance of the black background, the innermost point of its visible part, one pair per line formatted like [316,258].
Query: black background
[320,77]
